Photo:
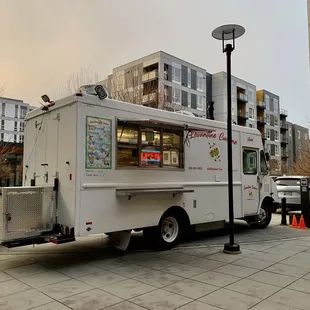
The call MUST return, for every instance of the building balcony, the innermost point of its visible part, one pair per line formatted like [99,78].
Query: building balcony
[261,105]
[243,114]
[264,136]
[284,140]
[284,155]
[283,112]
[261,120]
[283,126]
[150,76]
[242,97]
[149,98]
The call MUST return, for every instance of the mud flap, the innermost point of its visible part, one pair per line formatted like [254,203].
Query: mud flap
[120,239]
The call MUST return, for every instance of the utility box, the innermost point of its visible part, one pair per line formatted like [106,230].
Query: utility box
[305,199]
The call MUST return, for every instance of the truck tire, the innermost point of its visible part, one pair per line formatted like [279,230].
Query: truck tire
[263,219]
[168,233]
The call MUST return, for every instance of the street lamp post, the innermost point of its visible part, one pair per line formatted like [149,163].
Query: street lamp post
[224,33]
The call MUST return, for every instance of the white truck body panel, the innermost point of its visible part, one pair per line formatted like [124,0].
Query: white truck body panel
[91,200]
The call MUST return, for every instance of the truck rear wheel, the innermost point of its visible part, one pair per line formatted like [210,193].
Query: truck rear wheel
[168,233]
[263,219]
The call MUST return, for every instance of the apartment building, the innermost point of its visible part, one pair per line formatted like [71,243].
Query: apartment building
[308,11]
[243,102]
[162,81]
[13,113]
[268,123]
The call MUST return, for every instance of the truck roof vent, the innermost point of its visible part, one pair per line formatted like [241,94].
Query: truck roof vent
[94,90]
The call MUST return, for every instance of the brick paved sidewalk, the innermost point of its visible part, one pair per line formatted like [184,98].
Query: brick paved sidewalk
[267,275]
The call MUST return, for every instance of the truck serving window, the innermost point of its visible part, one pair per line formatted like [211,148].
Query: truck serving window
[249,162]
[149,147]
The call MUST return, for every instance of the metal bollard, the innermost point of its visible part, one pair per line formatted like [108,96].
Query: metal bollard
[283,211]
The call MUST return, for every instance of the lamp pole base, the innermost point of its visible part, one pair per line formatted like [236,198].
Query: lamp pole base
[231,248]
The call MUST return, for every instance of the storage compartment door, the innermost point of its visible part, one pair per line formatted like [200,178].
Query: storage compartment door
[27,212]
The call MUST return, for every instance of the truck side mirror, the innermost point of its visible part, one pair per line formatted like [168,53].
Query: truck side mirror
[267,156]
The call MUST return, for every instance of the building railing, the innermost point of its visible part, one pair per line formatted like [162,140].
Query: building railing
[243,114]
[242,97]
[283,112]
[261,104]
[283,125]
[149,97]
[261,119]
[284,140]
[148,76]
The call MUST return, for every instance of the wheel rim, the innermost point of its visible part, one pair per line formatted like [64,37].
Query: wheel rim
[169,229]
[262,216]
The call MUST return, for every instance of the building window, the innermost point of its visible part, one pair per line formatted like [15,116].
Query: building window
[149,148]
[298,134]
[250,125]
[3,109]
[2,137]
[267,100]
[16,111]
[268,119]
[189,78]
[276,135]
[176,96]
[276,105]
[15,126]
[199,81]
[249,162]
[276,121]
[176,73]
[199,103]
[22,127]
[268,133]
[21,139]
[290,132]
[2,124]
[23,112]
[250,95]
[306,136]
[251,113]
[276,150]
[15,138]
[189,100]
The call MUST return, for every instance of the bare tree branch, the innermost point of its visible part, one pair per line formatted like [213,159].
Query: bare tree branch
[2,89]
[302,163]
[76,80]
[130,86]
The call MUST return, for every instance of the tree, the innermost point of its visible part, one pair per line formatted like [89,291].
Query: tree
[275,166]
[76,80]
[143,88]
[2,89]
[302,163]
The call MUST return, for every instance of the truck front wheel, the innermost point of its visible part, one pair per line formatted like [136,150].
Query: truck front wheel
[167,234]
[263,219]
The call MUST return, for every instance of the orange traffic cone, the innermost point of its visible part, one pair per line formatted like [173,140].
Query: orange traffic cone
[302,223]
[294,222]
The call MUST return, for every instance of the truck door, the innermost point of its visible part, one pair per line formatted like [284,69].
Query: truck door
[250,181]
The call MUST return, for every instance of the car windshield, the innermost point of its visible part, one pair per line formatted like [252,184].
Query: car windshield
[288,182]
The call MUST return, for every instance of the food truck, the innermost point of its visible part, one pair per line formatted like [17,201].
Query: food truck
[94,165]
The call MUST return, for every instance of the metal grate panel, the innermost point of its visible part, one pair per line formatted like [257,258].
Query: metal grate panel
[26,212]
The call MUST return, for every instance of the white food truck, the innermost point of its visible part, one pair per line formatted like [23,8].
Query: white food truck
[95,165]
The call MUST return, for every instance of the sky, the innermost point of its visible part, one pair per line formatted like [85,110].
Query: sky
[43,42]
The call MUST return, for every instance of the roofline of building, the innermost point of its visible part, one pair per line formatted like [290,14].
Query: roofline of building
[13,99]
[269,92]
[157,53]
[233,76]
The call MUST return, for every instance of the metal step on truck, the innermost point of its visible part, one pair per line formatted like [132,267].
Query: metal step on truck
[94,165]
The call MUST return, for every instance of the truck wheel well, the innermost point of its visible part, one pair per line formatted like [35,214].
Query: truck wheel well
[176,210]
[268,201]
